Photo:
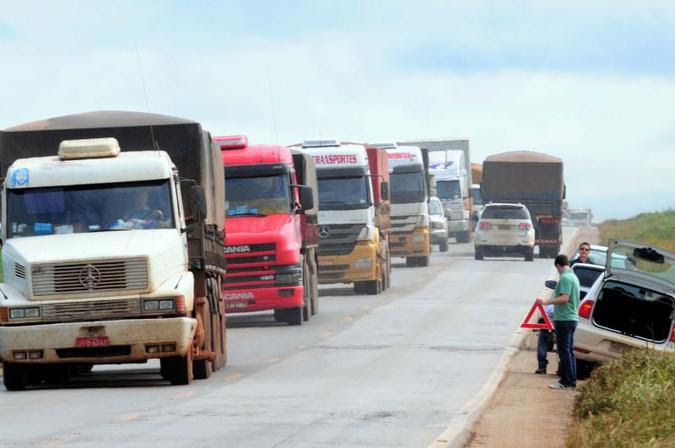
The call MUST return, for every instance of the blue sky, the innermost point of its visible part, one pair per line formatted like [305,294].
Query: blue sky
[591,82]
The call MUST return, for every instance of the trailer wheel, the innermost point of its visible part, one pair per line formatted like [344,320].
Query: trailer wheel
[294,316]
[177,369]
[14,376]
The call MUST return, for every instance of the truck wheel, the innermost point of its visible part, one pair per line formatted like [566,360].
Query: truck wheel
[423,261]
[462,237]
[280,315]
[411,262]
[314,280]
[529,255]
[306,292]
[294,316]
[201,368]
[177,369]
[388,270]
[478,253]
[15,376]
[443,246]
[370,287]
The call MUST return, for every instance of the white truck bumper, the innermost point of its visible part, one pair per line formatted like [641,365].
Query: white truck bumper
[129,340]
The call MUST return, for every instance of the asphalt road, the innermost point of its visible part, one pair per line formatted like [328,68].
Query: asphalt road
[378,371]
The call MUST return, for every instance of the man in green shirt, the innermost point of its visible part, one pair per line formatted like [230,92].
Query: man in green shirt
[565,302]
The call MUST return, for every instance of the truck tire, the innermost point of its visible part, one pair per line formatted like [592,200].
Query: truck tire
[306,293]
[529,255]
[388,285]
[478,253]
[280,315]
[443,246]
[177,369]
[294,315]
[14,376]
[314,281]
[462,237]
[424,261]
[201,368]
[370,287]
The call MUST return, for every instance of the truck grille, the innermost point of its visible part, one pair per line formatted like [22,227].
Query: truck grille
[84,277]
[338,239]
[250,266]
[403,223]
[90,310]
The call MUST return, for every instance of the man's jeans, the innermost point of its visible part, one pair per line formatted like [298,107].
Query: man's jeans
[543,339]
[564,335]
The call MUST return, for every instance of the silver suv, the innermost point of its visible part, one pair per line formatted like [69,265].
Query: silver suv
[631,306]
[504,229]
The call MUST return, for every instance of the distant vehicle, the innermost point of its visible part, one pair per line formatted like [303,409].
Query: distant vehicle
[450,163]
[587,275]
[535,180]
[439,225]
[580,217]
[631,306]
[598,256]
[504,229]
[476,203]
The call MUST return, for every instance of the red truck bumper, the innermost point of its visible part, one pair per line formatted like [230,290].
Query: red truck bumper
[261,299]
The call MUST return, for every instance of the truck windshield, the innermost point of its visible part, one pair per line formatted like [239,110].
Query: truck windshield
[448,189]
[258,196]
[407,187]
[89,208]
[343,193]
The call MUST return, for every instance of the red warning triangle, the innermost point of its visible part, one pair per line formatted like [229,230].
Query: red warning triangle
[547,325]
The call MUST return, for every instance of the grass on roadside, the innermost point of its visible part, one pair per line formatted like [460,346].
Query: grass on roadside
[629,402]
[656,228]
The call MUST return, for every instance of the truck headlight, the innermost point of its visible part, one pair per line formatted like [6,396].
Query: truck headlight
[363,263]
[290,275]
[423,220]
[24,313]
[163,304]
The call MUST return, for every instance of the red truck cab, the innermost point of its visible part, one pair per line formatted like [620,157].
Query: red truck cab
[268,265]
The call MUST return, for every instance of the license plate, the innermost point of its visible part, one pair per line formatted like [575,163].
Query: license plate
[326,263]
[236,305]
[504,227]
[617,347]
[92,341]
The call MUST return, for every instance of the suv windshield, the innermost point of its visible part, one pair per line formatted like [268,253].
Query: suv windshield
[653,261]
[448,189]
[407,187]
[343,193]
[505,212]
[89,208]
[258,196]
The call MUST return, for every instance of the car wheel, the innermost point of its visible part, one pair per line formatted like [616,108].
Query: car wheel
[478,253]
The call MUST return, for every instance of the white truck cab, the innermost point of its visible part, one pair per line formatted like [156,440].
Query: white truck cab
[95,262]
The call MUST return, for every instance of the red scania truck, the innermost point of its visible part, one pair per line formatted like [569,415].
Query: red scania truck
[271,239]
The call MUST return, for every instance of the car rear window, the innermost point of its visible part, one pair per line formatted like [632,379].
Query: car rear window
[587,276]
[505,213]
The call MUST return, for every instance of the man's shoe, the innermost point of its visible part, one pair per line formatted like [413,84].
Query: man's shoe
[540,371]
[560,386]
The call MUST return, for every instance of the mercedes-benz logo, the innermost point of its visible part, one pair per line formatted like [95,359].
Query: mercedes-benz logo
[324,232]
[90,277]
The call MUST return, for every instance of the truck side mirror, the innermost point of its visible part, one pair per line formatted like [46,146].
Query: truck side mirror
[384,191]
[306,197]
[198,201]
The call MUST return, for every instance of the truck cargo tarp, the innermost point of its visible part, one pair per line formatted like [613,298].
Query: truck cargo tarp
[184,140]
[523,175]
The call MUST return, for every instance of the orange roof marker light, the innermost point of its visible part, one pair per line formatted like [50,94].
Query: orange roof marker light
[547,325]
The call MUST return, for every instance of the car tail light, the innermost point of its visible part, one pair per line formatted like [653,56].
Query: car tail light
[585,308]
[524,226]
[484,225]
[672,335]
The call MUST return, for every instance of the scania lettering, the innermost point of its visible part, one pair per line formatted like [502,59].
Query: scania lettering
[411,237]
[113,248]
[353,215]
[271,230]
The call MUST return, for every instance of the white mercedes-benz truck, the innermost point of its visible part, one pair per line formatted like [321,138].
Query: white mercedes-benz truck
[109,255]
